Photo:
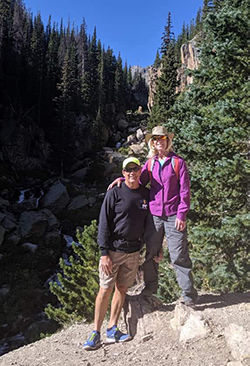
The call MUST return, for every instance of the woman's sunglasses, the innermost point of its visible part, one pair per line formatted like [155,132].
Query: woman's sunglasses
[134,169]
[162,137]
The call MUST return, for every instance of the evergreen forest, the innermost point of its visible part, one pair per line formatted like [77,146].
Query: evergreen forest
[55,77]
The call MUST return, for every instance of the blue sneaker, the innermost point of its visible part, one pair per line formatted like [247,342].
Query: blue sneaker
[115,335]
[93,342]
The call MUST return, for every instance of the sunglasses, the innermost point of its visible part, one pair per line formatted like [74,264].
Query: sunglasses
[134,169]
[156,138]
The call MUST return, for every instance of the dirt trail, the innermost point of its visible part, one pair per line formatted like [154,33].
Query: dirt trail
[156,344]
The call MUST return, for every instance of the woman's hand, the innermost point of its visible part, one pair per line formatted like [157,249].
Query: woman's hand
[117,181]
[157,258]
[180,225]
[106,264]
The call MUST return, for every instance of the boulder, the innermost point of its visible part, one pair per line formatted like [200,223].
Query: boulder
[79,175]
[30,247]
[9,222]
[122,124]
[238,341]
[189,323]
[109,168]
[139,135]
[136,149]
[56,199]
[77,203]
[53,223]
[92,200]
[25,205]
[44,326]
[54,240]
[4,203]
[33,224]
[131,139]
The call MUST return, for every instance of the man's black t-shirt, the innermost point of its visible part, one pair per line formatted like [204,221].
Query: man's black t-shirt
[122,219]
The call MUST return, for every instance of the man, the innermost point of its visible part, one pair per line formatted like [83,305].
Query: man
[121,227]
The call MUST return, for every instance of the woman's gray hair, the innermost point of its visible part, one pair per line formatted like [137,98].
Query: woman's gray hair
[152,150]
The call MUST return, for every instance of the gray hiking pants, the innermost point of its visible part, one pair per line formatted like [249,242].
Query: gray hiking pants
[178,250]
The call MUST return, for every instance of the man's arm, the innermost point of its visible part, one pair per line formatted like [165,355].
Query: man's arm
[105,222]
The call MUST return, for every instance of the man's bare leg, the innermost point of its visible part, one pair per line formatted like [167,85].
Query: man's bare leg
[117,304]
[101,307]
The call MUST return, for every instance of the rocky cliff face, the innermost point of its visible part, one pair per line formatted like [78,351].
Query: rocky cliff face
[154,74]
[189,59]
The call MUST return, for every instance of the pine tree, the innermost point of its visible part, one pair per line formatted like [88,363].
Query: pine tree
[37,57]
[166,85]
[78,281]
[157,61]
[211,126]
[119,85]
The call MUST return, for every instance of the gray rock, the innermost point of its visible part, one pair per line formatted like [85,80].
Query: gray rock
[77,203]
[79,175]
[107,149]
[238,341]
[9,222]
[33,224]
[25,205]
[139,135]
[30,246]
[54,240]
[4,203]
[43,326]
[56,199]
[194,328]
[137,149]
[53,223]
[130,139]
[2,216]
[189,323]
[109,168]
[92,200]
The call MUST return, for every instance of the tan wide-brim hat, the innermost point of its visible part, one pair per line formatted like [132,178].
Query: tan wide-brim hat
[158,131]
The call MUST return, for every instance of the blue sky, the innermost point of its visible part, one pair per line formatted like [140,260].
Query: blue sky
[133,28]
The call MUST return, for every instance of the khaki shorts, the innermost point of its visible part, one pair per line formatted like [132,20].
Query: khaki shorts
[124,269]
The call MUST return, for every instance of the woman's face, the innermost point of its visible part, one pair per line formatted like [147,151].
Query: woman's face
[160,144]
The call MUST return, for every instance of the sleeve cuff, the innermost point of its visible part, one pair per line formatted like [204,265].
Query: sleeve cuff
[182,216]
[104,251]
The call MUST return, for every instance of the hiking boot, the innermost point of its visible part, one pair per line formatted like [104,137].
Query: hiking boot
[93,342]
[115,335]
[188,302]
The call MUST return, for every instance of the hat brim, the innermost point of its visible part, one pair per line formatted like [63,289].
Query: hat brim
[149,135]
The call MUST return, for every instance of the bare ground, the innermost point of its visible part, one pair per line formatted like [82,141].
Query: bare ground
[155,343]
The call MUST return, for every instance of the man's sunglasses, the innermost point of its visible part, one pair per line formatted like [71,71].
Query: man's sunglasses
[134,169]
[156,138]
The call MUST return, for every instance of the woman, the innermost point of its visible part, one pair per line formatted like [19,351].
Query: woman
[169,204]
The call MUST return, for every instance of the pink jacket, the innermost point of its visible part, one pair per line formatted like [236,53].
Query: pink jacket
[168,195]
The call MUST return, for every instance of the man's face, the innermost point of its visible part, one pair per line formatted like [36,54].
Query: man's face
[132,173]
